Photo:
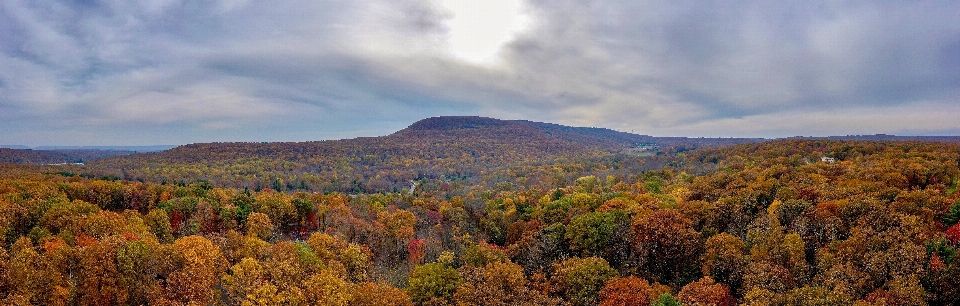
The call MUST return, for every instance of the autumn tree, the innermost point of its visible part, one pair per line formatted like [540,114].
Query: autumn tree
[580,279]
[498,283]
[723,259]
[706,292]
[590,232]
[666,244]
[433,281]
[259,225]
[378,294]
[25,272]
[625,291]
[195,265]
[326,288]
[482,254]
[100,278]
[277,206]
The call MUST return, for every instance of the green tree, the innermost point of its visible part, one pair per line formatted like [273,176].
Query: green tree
[666,300]
[580,279]
[433,280]
[590,232]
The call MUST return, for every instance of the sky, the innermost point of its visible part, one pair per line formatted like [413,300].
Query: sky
[118,72]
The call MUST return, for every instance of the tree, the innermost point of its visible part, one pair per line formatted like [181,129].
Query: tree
[768,276]
[667,244]
[433,280]
[814,295]
[378,294]
[259,225]
[590,232]
[243,280]
[356,260]
[943,281]
[195,264]
[537,252]
[100,279]
[482,254]
[277,206]
[498,283]
[580,279]
[666,299]
[4,269]
[25,271]
[625,291]
[952,216]
[325,288]
[706,292]
[159,223]
[723,259]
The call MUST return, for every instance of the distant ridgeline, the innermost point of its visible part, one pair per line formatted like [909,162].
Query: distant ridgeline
[458,151]
[29,156]
[46,155]
[440,149]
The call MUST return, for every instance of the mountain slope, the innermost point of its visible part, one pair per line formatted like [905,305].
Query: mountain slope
[30,156]
[435,148]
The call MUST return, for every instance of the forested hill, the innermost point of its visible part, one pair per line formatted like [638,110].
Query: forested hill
[29,156]
[524,131]
[444,148]
[439,137]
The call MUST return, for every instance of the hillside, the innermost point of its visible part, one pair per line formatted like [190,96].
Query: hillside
[29,156]
[441,148]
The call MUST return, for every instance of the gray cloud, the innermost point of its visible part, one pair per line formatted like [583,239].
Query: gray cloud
[120,72]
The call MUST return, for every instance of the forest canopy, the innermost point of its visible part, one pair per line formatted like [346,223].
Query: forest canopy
[786,222]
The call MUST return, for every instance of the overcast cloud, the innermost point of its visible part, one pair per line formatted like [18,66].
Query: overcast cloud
[173,72]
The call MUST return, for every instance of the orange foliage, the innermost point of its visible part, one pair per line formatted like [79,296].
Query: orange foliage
[625,291]
[706,292]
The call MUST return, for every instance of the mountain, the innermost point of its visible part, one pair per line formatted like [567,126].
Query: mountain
[885,137]
[137,149]
[540,134]
[441,137]
[30,156]
[442,148]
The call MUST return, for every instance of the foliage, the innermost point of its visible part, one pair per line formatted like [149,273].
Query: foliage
[666,299]
[625,291]
[580,279]
[706,292]
[765,223]
[591,232]
[433,280]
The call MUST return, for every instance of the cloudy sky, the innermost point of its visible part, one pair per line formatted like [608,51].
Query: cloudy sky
[118,72]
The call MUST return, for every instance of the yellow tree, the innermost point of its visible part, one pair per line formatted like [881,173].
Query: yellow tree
[259,225]
[195,266]
[326,288]
[497,283]
[723,259]
[25,272]
[99,279]
[376,294]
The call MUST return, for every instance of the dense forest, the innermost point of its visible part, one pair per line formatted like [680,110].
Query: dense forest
[76,156]
[785,222]
[455,150]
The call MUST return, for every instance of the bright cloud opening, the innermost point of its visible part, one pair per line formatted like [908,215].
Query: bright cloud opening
[478,29]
